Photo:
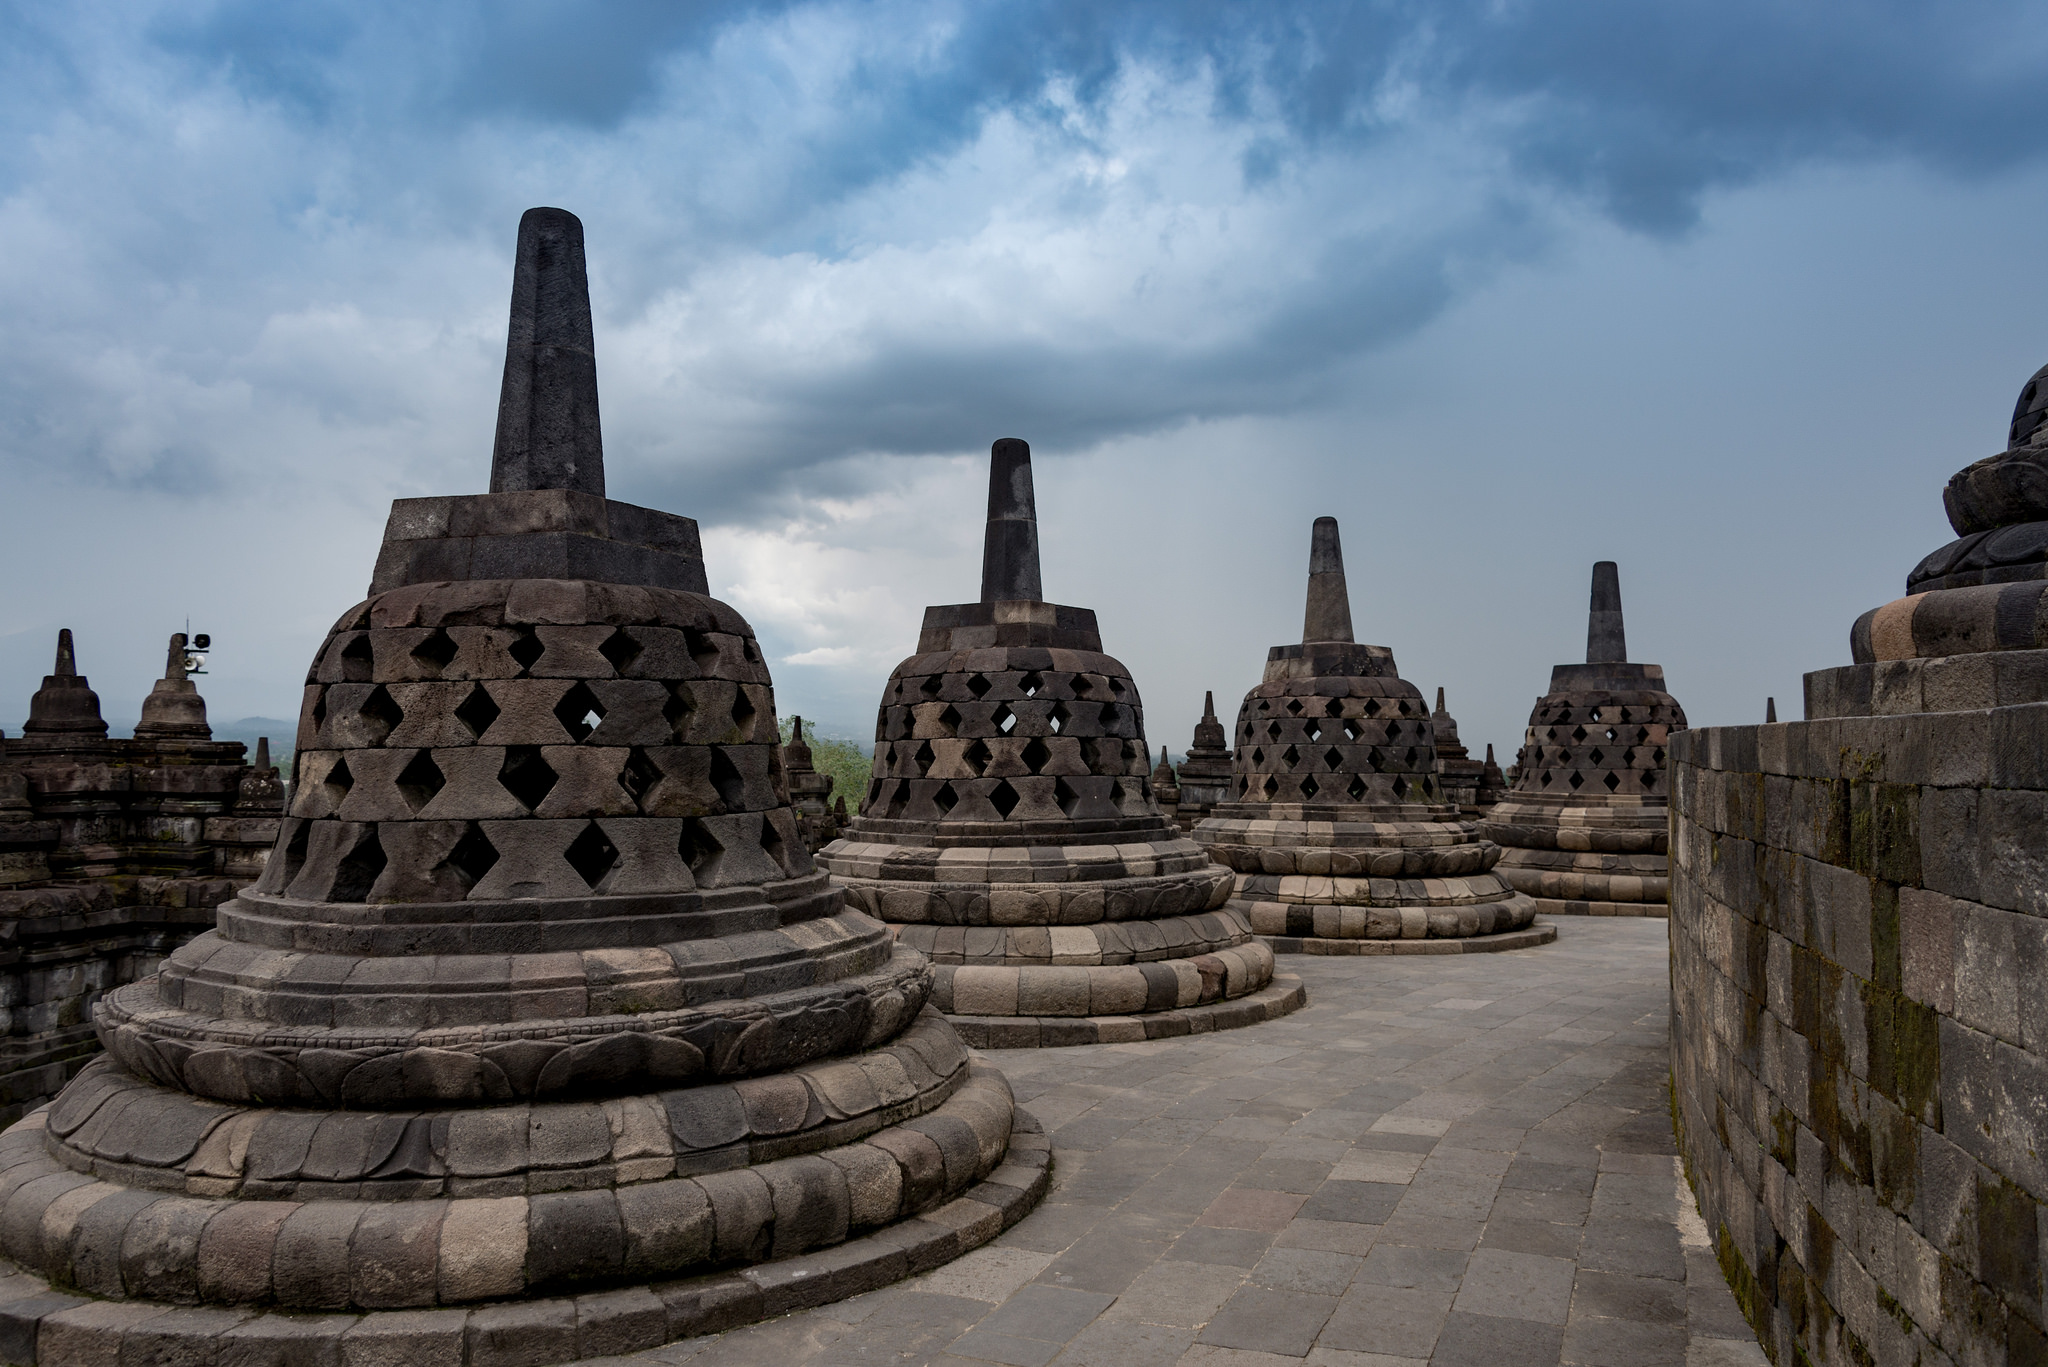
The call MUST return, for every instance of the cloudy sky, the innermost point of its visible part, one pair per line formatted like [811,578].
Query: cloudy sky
[1723,291]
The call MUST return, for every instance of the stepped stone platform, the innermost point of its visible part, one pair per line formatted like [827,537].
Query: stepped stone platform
[1010,835]
[1339,835]
[540,1002]
[1585,825]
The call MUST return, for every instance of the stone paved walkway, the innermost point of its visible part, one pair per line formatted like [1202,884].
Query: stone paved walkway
[1463,1159]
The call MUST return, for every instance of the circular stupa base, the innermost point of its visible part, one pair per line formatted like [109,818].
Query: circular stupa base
[1554,906]
[42,1323]
[1526,938]
[1284,994]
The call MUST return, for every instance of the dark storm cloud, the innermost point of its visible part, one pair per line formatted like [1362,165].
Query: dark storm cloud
[194,201]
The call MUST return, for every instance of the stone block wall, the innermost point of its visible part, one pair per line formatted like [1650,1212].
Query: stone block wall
[1859,936]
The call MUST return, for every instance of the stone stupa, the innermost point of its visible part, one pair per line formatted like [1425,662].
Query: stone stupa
[1009,832]
[1585,824]
[1204,774]
[540,1020]
[1461,775]
[1339,832]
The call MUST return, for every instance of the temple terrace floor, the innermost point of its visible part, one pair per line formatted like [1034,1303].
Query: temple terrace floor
[1465,1159]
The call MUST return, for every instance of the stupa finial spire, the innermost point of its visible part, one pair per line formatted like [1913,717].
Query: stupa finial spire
[67,658]
[1208,704]
[1605,641]
[548,435]
[1009,553]
[1329,601]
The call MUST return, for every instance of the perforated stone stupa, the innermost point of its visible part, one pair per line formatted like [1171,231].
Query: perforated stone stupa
[1585,825]
[1339,832]
[540,1010]
[1009,831]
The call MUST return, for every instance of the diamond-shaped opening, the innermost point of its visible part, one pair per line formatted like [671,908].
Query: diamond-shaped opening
[1273,730]
[1353,729]
[1376,759]
[924,759]
[1082,688]
[639,774]
[358,665]
[358,869]
[1244,785]
[478,710]
[1264,707]
[1660,757]
[977,757]
[591,855]
[1004,798]
[579,711]
[950,719]
[1578,733]
[945,799]
[1272,785]
[1546,778]
[1597,755]
[931,686]
[1594,715]
[1649,777]
[703,650]
[1004,718]
[874,792]
[1058,718]
[1357,788]
[1315,730]
[435,653]
[621,649]
[1258,758]
[1612,781]
[420,780]
[1036,755]
[1309,786]
[1333,757]
[1334,708]
[526,650]
[526,775]
[1411,757]
[979,686]
[380,714]
[1031,684]
[1610,733]
[751,651]
[1110,713]
[1577,780]
[699,849]
[1291,756]
[294,852]
[726,780]
[1642,734]
[1628,756]
[1248,735]
[1624,715]
[743,714]
[773,845]
[1064,794]
[1294,707]
[337,783]
[1372,707]
[319,708]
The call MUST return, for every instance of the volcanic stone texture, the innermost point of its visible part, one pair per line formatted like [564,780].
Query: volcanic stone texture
[1857,1043]
[1339,835]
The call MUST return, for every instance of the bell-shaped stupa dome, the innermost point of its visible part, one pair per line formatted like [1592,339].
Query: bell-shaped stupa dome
[1010,833]
[1340,835]
[540,992]
[1585,825]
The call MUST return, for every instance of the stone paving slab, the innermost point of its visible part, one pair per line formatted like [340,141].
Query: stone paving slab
[1464,1160]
